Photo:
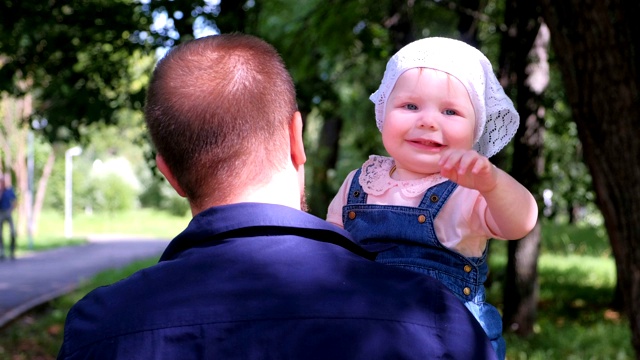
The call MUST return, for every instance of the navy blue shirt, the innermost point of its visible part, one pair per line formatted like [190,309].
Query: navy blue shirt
[259,281]
[6,199]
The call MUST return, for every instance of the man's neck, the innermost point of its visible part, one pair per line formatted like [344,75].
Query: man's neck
[282,189]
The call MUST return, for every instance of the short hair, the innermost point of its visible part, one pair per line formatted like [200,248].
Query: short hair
[218,110]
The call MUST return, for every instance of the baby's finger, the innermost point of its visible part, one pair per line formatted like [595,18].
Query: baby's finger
[483,165]
[449,160]
[467,161]
[444,157]
[450,174]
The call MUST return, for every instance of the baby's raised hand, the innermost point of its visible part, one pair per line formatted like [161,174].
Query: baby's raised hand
[469,169]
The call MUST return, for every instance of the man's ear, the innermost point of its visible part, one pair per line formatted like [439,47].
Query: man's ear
[164,169]
[298,157]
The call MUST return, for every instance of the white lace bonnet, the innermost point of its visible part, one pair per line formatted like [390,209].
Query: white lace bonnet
[496,118]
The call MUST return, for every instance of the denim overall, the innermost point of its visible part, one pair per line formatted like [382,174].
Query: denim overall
[406,238]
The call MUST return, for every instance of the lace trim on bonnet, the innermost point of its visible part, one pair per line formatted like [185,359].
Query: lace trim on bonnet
[375,179]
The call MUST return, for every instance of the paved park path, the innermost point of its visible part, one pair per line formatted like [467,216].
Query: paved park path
[39,277]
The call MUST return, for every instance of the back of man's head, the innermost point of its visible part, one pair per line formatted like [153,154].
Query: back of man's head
[218,110]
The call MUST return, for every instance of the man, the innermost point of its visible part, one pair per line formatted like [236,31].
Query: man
[7,204]
[252,276]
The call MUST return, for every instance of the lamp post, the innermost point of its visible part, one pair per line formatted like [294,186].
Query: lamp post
[68,186]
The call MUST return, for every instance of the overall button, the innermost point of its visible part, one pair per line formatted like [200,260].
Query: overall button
[352,215]
[466,291]
[434,198]
[467,268]
[422,219]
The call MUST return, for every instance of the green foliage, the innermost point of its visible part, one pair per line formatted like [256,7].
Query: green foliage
[54,198]
[176,205]
[86,67]
[121,149]
[74,56]
[103,181]
[160,195]
[151,196]
[565,172]
[112,193]
[337,53]
[96,185]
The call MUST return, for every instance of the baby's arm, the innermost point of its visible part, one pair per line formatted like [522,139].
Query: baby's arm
[510,206]
[334,213]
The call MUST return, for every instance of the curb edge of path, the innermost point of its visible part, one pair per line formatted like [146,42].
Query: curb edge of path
[16,312]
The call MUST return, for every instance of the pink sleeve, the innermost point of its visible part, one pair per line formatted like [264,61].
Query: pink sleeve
[334,213]
[462,223]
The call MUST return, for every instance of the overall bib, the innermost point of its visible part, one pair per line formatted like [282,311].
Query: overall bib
[406,238]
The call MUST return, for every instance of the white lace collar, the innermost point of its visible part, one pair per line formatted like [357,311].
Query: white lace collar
[375,179]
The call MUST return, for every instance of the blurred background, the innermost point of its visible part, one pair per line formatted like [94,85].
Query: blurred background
[73,75]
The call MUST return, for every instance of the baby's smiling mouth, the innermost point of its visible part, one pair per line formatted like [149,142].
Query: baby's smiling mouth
[426,143]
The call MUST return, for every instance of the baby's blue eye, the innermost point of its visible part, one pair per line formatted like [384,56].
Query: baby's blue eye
[412,107]
[449,112]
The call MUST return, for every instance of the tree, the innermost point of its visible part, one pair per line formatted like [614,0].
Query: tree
[599,43]
[337,66]
[13,137]
[73,57]
[525,69]
[68,64]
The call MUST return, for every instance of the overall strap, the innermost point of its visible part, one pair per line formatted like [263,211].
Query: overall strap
[356,194]
[436,196]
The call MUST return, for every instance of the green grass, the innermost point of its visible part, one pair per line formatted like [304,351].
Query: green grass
[577,276]
[574,318]
[141,222]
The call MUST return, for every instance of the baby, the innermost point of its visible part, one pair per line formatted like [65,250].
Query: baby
[432,206]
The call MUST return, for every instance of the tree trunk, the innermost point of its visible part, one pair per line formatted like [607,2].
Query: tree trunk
[524,67]
[598,53]
[468,22]
[14,136]
[21,184]
[42,190]
[400,24]
[324,158]
[10,113]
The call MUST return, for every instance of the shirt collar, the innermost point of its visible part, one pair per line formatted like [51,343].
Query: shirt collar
[221,222]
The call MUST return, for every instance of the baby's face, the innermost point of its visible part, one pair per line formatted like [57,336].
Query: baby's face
[427,112]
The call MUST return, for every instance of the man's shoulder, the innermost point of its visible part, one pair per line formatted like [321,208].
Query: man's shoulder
[320,277]
[267,290]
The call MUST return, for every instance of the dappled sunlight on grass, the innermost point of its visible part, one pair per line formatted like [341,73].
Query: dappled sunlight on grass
[572,340]
[577,277]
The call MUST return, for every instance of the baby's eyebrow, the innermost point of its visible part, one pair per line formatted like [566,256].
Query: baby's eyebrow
[408,96]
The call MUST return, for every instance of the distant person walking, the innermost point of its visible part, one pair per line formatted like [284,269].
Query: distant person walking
[7,204]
